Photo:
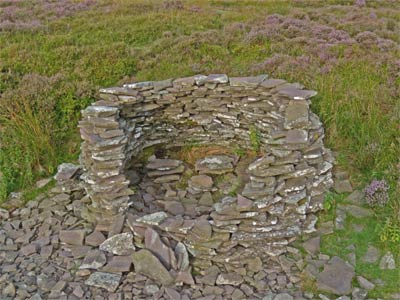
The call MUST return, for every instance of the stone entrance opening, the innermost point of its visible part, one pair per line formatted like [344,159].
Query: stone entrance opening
[225,207]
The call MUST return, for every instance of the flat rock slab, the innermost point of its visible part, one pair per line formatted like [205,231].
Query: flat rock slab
[203,182]
[118,264]
[72,237]
[163,164]
[107,281]
[356,211]
[215,164]
[229,278]
[371,256]
[356,197]
[365,283]
[66,171]
[119,244]
[95,238]
[147,264]
[153,219]
[251,81]
[342,186]
[283,296]
[94,259]
[312,245]
[336,277]
[156,246]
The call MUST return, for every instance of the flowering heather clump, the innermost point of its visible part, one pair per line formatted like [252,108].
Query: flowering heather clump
[25,15]
[376,193]
[360,3]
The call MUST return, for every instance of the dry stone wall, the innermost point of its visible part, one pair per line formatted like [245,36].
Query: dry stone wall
[287,180]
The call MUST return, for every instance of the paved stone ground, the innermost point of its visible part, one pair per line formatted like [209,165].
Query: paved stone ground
[48,251]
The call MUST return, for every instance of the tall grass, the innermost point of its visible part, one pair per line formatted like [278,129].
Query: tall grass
[27,148]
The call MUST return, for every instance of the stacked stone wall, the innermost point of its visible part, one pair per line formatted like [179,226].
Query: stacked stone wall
[287,180]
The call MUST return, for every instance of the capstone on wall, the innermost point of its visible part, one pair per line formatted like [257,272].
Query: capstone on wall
[287,180]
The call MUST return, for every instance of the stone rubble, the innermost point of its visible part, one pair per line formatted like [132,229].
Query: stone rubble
[219,228]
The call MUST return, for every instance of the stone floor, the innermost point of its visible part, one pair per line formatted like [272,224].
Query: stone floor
[48,251]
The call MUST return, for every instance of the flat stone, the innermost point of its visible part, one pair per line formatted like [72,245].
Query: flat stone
[356,197]
[155,173]
[107,281]
[43,182]
[365,283]
[72,237]
[185,277]
[202,182]
[153,219]
[66,171]
[336,277]
[172,294]
[238,295]
[271,83]
[210,275]
[182,257]
[185,81]
[78,291]
[371,256]
[153,243]
[273,171]
[118,264]
[251,81]
[167,178]
[312,245]
[296,94]
[147,264]
[95,238]
[296,115]
[29,249]
[163,164]
[174,207]
[206,199]
[94,259]
[297,136]
[202,230]
[342,186]
[283,296]
[356,211]
[255,265]
[9,290]
[79,251]
[243,203]
[387,262]
[216,164]
[150,289]
[46,251]
[119,244]
[326,227]
[162,85]
[4,214]
[229,278]
[216,78]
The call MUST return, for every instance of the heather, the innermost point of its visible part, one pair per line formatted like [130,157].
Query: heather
[54,55]
[31,15]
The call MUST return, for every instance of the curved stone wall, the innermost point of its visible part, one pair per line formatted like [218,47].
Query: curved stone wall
[286,183]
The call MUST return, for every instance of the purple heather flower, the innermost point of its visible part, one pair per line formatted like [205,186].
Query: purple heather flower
[376,193]
[360,3]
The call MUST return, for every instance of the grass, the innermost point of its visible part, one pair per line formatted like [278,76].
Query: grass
[337,244]
[349,54]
